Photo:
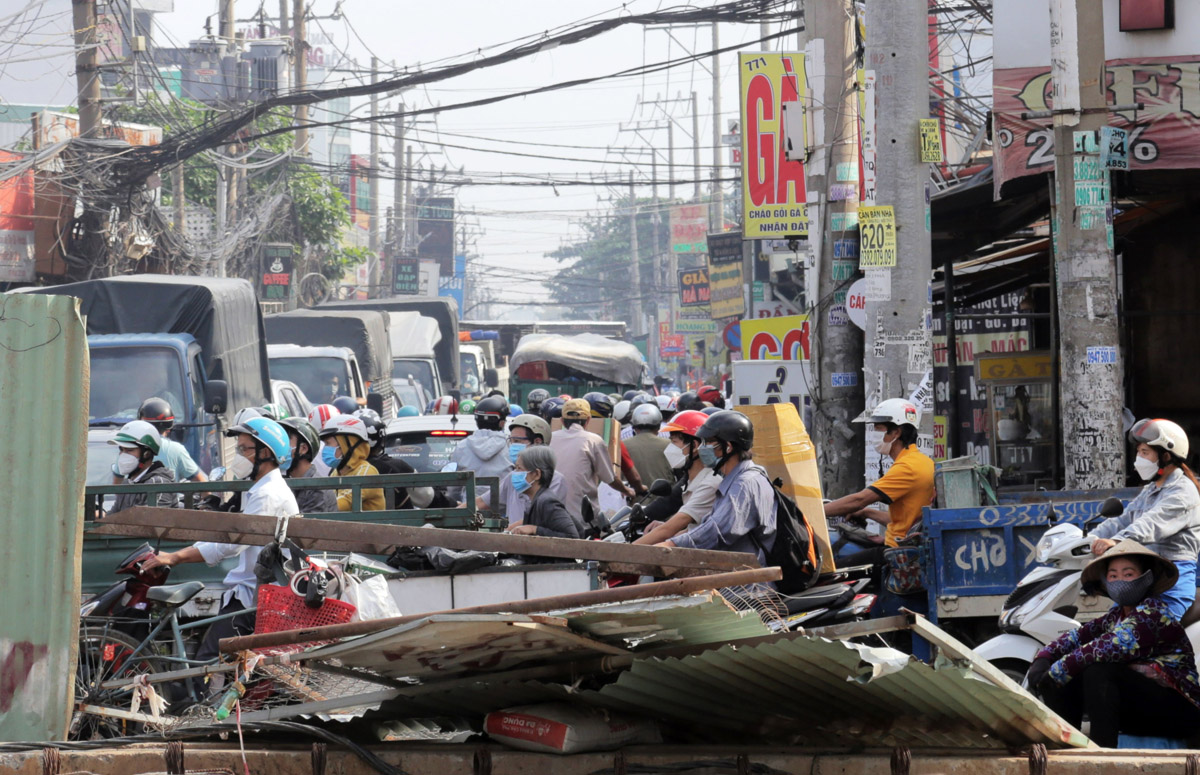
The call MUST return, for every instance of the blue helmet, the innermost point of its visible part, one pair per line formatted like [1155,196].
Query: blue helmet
[346,404]
[408,410]
[514,410]
[270,434]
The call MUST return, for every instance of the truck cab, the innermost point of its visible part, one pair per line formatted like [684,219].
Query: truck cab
[322,373]
[477,364]
[126,369]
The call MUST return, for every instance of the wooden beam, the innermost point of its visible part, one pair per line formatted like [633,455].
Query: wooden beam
[183,524]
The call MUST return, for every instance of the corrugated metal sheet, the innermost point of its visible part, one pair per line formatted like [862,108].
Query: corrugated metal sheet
[43,411]
[667,621]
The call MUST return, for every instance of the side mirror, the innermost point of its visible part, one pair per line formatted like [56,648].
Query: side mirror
[587,511]
[660,488]
[449,468]
[375,402]
[491,378]
[216,396]
[1111,507]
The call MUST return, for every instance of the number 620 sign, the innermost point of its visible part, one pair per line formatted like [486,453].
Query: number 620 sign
[876,237]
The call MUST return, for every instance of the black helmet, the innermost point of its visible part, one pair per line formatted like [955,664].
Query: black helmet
[639,399]
[491,412]
[602,405]
[375,425]
[346,404]
[734,428]
[551,408]
[710,410]
[536,397]
[628,395]
[157,412]
[688,400]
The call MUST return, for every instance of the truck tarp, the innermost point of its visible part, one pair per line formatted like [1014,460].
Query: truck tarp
[440,309]
[608,359]
[363,331]
[221,313]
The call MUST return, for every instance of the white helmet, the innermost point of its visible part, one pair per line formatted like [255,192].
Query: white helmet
[665,403]
[347,425]
[321,414]
[646,415]
[621,411]
[1163,434]
[897,411]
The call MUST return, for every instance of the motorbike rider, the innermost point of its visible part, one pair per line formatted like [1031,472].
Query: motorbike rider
[698,485]
[581,457]
[317,417]
[172,454]
[524,431]
[711,395]
[397,497]
[535,399]
[647,447]
[1132,670]
[603,408]
[486,450]
[346,449]
[906,488]
[545,515]
[263,452]
[139,443]
[306,445]
[1165,516]
[743,514]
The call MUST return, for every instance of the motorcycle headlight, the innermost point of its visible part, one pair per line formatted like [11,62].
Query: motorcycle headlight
[1043,548]
[88,608]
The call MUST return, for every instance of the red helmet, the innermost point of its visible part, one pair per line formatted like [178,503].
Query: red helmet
[711,395]
[688,423]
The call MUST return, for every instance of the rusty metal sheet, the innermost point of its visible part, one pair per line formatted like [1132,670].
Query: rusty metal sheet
[442,646]
[43,363]
[669,621]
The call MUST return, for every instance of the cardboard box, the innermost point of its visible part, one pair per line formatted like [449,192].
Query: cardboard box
[783,447]
[607,429]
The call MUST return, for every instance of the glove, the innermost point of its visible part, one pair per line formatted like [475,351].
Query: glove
[1038,672]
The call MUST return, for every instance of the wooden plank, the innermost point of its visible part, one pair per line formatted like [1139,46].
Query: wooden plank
[258,530]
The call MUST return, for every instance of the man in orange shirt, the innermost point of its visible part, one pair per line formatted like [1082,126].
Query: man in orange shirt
[906,488]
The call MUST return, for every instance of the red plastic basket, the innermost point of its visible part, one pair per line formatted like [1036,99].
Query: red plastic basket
[281,609]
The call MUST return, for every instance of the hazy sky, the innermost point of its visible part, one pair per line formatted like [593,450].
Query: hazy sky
[517,226]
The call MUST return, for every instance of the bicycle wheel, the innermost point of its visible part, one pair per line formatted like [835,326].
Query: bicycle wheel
[106,654]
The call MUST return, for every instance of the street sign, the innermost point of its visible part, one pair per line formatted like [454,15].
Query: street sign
[856,303]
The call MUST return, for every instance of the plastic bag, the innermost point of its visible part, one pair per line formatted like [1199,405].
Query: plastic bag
[371,597]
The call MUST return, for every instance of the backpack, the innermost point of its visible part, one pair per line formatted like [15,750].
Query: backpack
[796,550]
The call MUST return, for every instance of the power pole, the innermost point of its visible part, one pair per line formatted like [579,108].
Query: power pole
[696,146]
[373,185]
[717,219]
[178,197]
[283,18]
[300,45]
[898,341]
[87,70]
[409,213]
[838,344]
[226,24]
[398,201]
[1089,356]
[671,160]
[636,261]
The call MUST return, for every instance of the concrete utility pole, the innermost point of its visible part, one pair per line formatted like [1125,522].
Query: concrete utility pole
[898,344]
[671,160]
[838,344]
[398,201]
[716,220]
[87,71]
[283,18]
[696,146]
[1089,356]
[373,186]
[300,46]
[635,260]
[226,25]
[178,199]
[409,212]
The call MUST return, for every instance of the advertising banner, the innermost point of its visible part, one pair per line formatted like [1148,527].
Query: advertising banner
[694,320]
[435,232]
[16,225]
[693,287]
[1161,136]
[726,297]
[776,339]
[277,273]
[672,346]
[689,229]
[725,247]
[773,191]
[406,276]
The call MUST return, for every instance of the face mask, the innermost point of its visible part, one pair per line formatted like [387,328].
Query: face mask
[329,455]
[882,445]
[675,456]
[1132,592]
[241,467]
[515,449]
[1145,467]
[520,481]
[127,463]
[708,456]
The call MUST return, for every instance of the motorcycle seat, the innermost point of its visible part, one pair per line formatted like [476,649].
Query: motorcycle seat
[175,594]
[832,595]
[1192,615]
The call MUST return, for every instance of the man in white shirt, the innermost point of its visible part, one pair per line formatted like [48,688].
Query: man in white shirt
[582,457]
[700,490]
[262,449]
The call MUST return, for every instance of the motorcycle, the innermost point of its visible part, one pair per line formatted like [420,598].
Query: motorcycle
[1044,604]
[628,524]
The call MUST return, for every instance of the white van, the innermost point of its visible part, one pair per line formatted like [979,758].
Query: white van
[413,339]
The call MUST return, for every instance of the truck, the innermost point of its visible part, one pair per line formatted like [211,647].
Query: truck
[573,365]
[442,311]
[196,341]
[509,332]
[326,338]
[482,369]
[415,340]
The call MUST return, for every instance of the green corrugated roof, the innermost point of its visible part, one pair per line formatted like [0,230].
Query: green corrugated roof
[43,411]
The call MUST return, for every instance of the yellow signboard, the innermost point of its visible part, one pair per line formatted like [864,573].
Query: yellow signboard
[773,193]
[876,237]
[1025,366]
[776,339]
[931,140]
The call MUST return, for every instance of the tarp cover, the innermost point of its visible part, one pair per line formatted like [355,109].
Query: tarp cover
[221,313]
[443,310]
[608,359]
[363,331]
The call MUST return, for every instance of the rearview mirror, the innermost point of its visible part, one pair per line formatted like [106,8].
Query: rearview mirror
[375,402]
[216,396]
[586,510]
[660,488]
[491,378]
[1111,507]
